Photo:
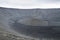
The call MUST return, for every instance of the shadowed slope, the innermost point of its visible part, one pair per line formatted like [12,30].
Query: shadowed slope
[36,31]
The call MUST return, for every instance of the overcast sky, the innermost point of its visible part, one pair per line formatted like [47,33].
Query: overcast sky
[30,3]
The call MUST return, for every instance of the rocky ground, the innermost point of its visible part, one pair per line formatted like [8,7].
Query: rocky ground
[5,35]
[10,36]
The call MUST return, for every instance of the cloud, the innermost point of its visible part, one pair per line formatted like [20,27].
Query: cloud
[30,3]
[48,0]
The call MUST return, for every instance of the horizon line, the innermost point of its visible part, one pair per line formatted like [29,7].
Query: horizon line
[29,8]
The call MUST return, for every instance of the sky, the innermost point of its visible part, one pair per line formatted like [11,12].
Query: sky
[30,4]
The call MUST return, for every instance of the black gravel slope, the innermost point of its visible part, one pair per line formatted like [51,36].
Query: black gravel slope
[37,31]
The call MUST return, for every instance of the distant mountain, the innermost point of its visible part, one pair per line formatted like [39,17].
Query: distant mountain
[51,15]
